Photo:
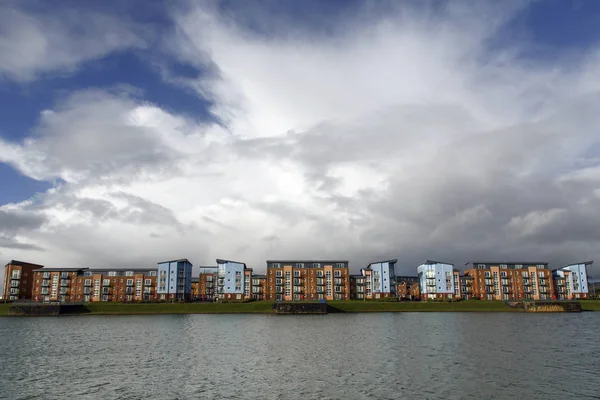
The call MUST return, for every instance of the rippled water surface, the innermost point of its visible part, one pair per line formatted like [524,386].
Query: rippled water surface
[337,356]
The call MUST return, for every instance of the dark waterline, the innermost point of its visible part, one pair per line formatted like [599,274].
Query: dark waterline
[344,356]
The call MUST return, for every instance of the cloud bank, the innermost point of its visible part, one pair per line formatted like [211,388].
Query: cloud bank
[413,133]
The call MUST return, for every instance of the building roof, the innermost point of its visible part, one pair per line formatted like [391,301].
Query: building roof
[307,261]
[222,261]
[584,262]
[395,260]
[259,276]
[60,269]
[570,265]
[179,260]
[428,262]
[507,262]
[17,262]
[134,270]
[195,280]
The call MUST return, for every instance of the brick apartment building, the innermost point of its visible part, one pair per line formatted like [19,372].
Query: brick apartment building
[207,281]
[18,280]
[259,287]
[308,280]
[87,285]
[407,288]
[509,280]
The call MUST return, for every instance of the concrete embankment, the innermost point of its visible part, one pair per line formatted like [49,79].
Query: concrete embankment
[35,309]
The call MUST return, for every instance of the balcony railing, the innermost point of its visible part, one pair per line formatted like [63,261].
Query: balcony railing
[14,283]
[45,283]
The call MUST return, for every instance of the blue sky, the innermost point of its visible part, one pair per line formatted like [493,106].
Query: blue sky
[213,89]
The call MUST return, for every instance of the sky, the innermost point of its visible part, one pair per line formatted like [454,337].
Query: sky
[142,131]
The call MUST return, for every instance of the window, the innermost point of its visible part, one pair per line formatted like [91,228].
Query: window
[296,274]
[148,282]
[316,265]
[340,265]
[278,274]
[299,265]
[129,282]
[276,265]
[106,282]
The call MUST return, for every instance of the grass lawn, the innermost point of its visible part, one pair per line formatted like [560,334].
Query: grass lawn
[265,307]
[590,305]
[181,308]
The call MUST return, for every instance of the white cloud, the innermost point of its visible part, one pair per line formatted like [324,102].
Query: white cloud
[398,137]
[33,44]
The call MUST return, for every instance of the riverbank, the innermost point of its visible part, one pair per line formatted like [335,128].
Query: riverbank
[266,307]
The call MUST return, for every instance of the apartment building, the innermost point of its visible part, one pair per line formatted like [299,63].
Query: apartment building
[357,287]
[233,280]
[93,285]
[571,281]
[18,280]
[380,279]
[437,280]
[308,280]
[207,282]
[259,287]
[195,291]
[407,288]
[175,280]
[510,280]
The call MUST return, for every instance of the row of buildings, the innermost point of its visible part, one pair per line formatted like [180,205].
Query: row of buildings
[297,280]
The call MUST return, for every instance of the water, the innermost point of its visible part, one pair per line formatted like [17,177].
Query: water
[337,356]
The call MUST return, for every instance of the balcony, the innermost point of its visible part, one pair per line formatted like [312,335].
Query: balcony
[87,290]
[129,290]
[46,275]
[542,282]
[64,275]
[64,282]
[45,283]
[14,283]
[129,283]
[320,283]
[63,291]
[14,291]
[44,291]
[105,290]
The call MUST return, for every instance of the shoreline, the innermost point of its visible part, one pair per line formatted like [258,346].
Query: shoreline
[266,307]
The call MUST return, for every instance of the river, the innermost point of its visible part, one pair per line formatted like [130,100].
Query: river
[336,356]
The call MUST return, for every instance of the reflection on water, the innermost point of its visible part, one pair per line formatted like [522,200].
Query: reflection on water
[336,356]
